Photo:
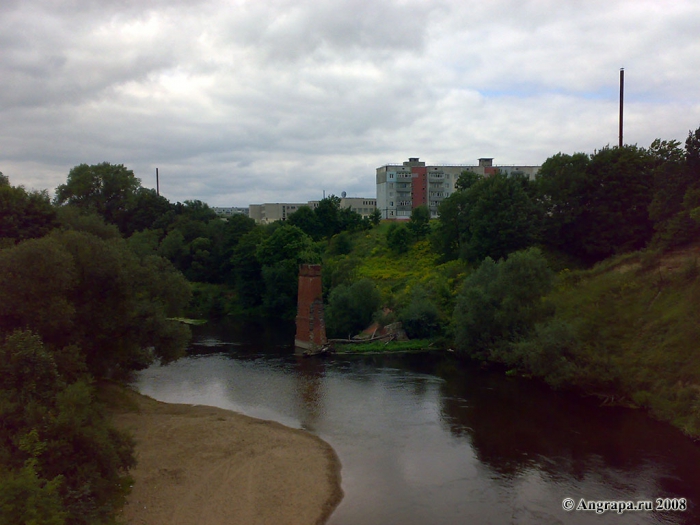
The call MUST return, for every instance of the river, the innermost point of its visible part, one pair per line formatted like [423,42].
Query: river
[424,439]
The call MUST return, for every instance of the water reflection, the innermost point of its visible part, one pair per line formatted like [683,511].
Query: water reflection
[423,439]
[309,375]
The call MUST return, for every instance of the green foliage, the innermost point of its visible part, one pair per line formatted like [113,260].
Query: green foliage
[24,214]
[597,206]
[61,459]
[676,184]
[286,243]
[420,318]
[501,218]
[340,244]
[625,330]
[306,220]
[145,210]
[97,294]
[452,229]
[561,184]
[339,270]
[327,214]
[490,217]
[419,223]
[81,220]
[247,270]
[327,219]
[396,275]
[107,189]
[281,286]
[500,303]
[550,353]
[145,242]
[37,272]
[466,180]
[279,256]
[398,238]
[172,247]
[27,498]
[350,308]
[210,301]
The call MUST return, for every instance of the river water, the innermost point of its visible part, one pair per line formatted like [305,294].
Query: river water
[424,439]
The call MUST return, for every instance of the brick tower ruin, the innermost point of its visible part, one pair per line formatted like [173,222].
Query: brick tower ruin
[311,326]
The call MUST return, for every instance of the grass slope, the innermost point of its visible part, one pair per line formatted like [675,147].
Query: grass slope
[637,322]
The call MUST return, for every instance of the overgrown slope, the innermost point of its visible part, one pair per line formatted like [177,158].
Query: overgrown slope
[635,327]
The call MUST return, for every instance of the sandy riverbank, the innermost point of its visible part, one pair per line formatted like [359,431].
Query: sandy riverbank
[205,465]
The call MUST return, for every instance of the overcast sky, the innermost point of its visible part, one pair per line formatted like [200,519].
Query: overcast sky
[250,101]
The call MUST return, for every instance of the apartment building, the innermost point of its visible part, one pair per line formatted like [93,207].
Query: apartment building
[402,187]
[279,211]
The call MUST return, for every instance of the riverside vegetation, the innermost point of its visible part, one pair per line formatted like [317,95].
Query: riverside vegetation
[586,277]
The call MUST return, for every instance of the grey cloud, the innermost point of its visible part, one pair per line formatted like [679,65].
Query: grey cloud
[292,30]
[249,102]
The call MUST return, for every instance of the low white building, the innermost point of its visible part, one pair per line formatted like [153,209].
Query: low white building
[279,211]
[229,211]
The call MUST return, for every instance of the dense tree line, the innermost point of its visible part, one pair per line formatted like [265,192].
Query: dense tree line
[77,304]
[586,207]
[580,210]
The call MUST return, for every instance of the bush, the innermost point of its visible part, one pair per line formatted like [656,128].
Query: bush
[398,238]
[350,308]
[420,318]
[551,353]
[500,303]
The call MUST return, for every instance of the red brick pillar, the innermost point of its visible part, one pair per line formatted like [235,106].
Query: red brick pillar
[311,326]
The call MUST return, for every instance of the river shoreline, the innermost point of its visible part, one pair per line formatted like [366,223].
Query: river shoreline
[201,464]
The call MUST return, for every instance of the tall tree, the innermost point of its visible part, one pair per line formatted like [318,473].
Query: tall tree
[108,189]
[327,212]
[597,206]
[306,219]
[501,218]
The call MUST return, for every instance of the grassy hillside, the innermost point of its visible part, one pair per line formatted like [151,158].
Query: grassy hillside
[636,326]
[398,275]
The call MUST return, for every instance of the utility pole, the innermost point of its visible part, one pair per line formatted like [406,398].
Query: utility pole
[622,100]
[157,184]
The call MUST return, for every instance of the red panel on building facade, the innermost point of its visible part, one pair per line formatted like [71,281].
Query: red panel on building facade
[419,186]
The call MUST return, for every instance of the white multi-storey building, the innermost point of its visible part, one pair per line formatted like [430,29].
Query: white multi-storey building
[403,187]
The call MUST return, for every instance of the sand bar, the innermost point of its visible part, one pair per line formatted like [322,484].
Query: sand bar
[206,465]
